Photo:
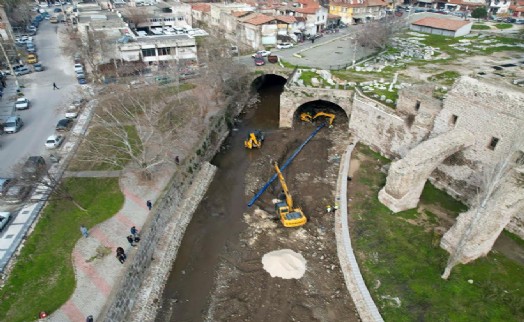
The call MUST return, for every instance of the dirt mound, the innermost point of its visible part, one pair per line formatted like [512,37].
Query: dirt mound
[285,264]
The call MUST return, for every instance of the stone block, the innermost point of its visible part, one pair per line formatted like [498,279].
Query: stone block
[315,82]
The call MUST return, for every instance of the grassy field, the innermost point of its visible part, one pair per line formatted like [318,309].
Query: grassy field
[445,78]
[43,277]
[504,26]
[479,26]
[401,260]
[306,76]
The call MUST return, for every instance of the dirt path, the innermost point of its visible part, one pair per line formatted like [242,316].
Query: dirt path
[243,290]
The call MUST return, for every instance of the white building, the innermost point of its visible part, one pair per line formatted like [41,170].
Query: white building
[155,49]
[444,27]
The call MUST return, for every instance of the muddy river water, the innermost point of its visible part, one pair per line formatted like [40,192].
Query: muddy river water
[218,219]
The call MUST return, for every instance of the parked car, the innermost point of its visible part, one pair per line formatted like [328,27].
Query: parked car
[80,74]
[34,167]
[31,48]
[263,53]
[259,60]
[16,193]
[64,125]
[284,45]
[53,19]
[5,217]
[79,68]
[57,10]
[78,102]
[82,81]
[54,141]
[22,103]
[22,71]
[13,124]
[72,112]
[32,59]
[38,67]
[5,183]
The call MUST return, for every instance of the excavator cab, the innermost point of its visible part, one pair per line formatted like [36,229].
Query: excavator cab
[254,139]
[307,117]
[289,216]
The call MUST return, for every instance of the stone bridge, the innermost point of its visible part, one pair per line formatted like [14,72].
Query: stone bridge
[407,177]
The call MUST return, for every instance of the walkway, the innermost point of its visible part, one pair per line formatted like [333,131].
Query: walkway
[96,277]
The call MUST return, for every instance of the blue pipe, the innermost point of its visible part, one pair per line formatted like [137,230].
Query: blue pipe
[288,161]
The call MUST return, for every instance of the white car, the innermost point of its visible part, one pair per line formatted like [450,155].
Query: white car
[4,219]
[263,53]
[284,45]
[22,103]
[54,141]
[79,68]
[72,112]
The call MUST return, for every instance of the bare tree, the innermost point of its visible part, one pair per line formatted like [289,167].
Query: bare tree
[376,34]
[134,127]
[135,16]
[493,180]
[50,186]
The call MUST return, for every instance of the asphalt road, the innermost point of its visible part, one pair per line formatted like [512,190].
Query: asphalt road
[47,105]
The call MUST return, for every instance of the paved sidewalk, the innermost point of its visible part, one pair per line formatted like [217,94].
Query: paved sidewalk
[95,277]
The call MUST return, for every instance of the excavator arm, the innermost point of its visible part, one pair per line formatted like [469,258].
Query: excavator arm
[331,117]
[289,199]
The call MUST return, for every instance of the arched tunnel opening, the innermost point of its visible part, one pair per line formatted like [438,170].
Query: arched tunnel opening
[268,80]
[318,112]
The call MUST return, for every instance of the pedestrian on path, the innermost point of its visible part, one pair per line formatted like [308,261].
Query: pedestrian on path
[121,255]
[177,160]
[55,87]
[149,204]
[131,240]
[83,229]
[134,231]
[90,319]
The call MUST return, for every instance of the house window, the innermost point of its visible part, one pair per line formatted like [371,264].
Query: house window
[417,105]
[164,51]
[148,52]
[454,119]
[493,143]
[180,18]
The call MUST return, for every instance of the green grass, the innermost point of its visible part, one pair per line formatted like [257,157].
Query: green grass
[110,146]
[389,95]
[291,66]
[445,78]
[172,89]
[43,277]
[504,26]
[479,26]
[405,258]
[306,76]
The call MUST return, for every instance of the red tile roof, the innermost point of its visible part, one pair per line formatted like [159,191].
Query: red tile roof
[308,3]
[348,4]
[204,7]
[307,11]
[468,3]
[375,3]
[332,16]
[438,23]
[259,19]
[286,19]
[239,13]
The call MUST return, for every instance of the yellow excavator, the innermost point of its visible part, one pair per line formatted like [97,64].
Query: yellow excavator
[307,117]
[254,139]
[289,216]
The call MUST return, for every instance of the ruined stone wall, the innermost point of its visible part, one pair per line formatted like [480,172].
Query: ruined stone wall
[295,96]
[392,133]
[490,113]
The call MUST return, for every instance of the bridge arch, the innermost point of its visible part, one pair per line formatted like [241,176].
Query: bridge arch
[313,107]
[407,177]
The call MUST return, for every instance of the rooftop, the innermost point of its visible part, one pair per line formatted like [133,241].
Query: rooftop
[440,23]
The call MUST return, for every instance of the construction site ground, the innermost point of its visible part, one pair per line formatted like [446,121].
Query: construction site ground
[243,290]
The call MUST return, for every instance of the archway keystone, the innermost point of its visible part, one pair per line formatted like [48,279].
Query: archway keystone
[407,177]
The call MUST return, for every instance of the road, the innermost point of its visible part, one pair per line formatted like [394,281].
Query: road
[46,104]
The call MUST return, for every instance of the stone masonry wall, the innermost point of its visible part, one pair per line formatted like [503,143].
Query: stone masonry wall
[125,295]
[295,96]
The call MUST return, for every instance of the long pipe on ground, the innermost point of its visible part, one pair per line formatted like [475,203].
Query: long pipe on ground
[288,161]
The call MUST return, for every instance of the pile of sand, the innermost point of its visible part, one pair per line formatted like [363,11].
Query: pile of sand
[285,264]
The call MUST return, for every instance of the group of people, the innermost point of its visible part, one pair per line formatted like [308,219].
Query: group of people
[132,239]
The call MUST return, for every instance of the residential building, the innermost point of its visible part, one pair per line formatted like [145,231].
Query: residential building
[162,14]
[464,5]
[516,9]
[499,6]
[442,26]
[156,49]
[358,11]
[200,12]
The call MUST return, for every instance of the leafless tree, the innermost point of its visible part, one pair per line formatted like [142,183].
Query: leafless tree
[376,34]
[50,186]
[493,180]
[135,16]
[133,127]
[90,46]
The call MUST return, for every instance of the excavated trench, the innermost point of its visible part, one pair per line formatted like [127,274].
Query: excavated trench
[218,219]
